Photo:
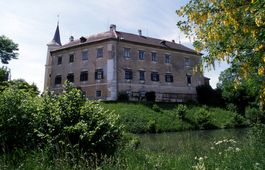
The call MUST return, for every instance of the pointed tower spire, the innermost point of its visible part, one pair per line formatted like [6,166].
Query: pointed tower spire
[56,37]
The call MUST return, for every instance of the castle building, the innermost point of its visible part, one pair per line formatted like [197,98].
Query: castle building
[114,62]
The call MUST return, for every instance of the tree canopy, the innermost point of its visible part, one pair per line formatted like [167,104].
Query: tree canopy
[7,49]
[232,31]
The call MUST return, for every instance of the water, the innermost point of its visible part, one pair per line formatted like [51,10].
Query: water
[197,142]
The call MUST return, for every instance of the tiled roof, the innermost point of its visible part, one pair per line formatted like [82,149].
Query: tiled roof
[128,37]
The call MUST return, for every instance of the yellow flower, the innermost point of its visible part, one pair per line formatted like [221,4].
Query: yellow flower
[264,58]
[261,71]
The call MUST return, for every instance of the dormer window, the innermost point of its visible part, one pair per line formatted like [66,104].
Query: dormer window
[82,39]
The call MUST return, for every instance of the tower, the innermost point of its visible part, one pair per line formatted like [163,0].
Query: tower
[53,45]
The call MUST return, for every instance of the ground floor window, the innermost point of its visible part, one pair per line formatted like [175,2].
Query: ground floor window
[98,93]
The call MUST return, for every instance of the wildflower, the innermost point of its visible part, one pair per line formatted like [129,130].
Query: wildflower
[200,158]
[212,148]
[238,149]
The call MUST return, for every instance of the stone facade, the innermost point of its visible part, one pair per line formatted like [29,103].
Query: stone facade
[117,62]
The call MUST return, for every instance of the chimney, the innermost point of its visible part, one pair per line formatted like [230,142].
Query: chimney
[140,32]
[71,38]
[112,27]
[173,41]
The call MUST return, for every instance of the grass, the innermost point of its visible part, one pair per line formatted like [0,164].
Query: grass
[164,117]
[218,149]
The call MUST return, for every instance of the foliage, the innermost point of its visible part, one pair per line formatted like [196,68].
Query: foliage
[20,84]
[7,49]
[17,111]
[229,30]
[60,123]
[150,96]
[141,118]
[208,96]
[4,73]
[254,114]
[156,108]
[72,123]
[239,92]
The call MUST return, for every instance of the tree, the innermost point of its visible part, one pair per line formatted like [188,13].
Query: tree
[232,31]
[241,93]
[7,49]
[4,73]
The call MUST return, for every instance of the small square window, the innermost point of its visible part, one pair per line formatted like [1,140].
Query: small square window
[128,74]
[127,53]
[84,76]
[71,58]
[169,78]
[154,56]
[99,52]
[141,55]
[58,79]
[167,59]
[84,55]
[99,74]
[98,93]
[154,76]
[70,77]
[59,61]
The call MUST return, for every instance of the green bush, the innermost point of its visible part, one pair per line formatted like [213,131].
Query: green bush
[155,108]
[70,122]
[253,114]
[181,110]
[203,119]
[17,110]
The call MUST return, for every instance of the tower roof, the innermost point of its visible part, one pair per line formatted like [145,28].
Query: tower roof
[56,38]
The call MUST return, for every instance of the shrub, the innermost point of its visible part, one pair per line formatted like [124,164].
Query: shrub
[204,119]
[150,96]
[181,110]
[17,109]
[123,96]
[253,114]
[208,96]
[155,108]
[72,123]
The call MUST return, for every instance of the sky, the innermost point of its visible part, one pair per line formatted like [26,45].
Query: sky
[32,24]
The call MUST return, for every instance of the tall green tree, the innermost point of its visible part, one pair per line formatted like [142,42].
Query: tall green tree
[7,49]
[232,31]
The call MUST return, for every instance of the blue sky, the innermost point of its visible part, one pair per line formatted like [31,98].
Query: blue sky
[32,24]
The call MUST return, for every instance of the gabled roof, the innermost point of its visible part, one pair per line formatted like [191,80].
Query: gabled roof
[127,37]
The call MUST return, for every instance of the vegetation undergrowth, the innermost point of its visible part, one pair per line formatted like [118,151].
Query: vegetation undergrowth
[170,117]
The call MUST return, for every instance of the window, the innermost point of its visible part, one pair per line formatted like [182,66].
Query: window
[127,52]
[99,52]
[168,78]
[128,74]
[154,56]
[84,55]
[98,93]
[141,55]
[71,58]
[84,76]
[188,80]
[59,61]
[154,76]
[70,77]
[58,79]
[141,75]
[99,74]
[187,61]
[167,59]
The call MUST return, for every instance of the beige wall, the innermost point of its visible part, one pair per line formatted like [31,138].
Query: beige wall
[177,68]
[113,50]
